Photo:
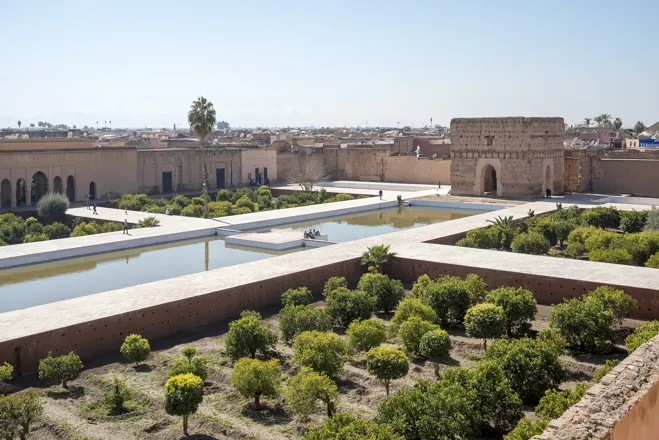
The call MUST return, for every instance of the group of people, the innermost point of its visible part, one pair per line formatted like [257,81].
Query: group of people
[256,182]
[311,234]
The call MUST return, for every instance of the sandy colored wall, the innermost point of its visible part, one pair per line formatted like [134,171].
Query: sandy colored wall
[260,158]
[113,170]
[105,335]
[627,176]
[186,168]
[409,169]
[362,163]
[44,144]
[642,421]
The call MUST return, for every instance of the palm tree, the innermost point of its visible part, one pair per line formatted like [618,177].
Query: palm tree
[598,120]
[639,127]
[508,229]
[604,119]
[201,118]
[377,256]
[617,124]
[586,122]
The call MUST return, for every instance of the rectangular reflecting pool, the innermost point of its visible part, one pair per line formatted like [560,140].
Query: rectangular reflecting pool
[369,224]
[33,285]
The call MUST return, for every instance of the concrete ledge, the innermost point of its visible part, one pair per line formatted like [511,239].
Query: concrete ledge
[460,205]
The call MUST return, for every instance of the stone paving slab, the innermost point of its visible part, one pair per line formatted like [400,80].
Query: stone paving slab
[275,239]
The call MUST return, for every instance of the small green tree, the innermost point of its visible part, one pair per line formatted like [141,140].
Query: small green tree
[297,297]
[6,371]
[413,307]
[345,306]
[190,363]
[135,349]
[633,221]
[60,369]
[334,283]
[297,319]
[614,300]
[499,405]
[585,323]
[526,429]
[435,346]
[386,364]
[307,388]
[552,337]
[411,332]
[377,256]
[20,410]
[387,292]
[602,217]
[248,335]
[364,335]
[254,378]
[450,297]
[606,369]
[116,397]
[556,402]
[56,230]
[641,335]
[324,352]
[613,256]
[531,366]
[52,206]
[532,243]
[485,321]
[344,426]
[183,395]
[519,307]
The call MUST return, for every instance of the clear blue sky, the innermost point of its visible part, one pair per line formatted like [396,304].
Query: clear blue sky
[339,62]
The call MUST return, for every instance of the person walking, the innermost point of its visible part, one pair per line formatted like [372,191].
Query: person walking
[439,185]
[125,226]
[95,209]
[380,192]
[88,199]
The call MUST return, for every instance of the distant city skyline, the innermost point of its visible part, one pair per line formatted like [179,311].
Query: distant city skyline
[301,63]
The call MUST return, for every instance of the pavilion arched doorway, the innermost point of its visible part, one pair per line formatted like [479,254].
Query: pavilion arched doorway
[92,191]
[489,180]
[20,192]
[39,186]
[57,185]
[549,179]
[71,188]
[5,194]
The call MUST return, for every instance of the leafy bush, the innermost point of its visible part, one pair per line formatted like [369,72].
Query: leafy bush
[297,297]
[245,202]
[421,286]
[519,307]
[439,410]
[482,238]
[240,211]
[6,370]
[581,234]
[599,240]
[641,335]
[192,211]
[19,410]
[614,300]
[450,297]
[198,201]
[324,352]
[52,206]
[526,429]
[60,369]
[653,261]
[307,388]
[435,346]
[242,192]
[109,227]
[531,366]
[254,378]
[602,217]
[56,230]
[345,306]
[606,369]
[639,246]
[32,226]
[248,335]
[411,332]
[344,426]
[387,292]
[364,335]
[386,364]
[500,407]
[181,201]
[116,397]
[575,250]
[532,243]
[377,256]
[294,320]
[174,208]
[413,307]
[556,402]
[584,323]
[334,283]
[135,349]
[183,395]
[652,223]
[190,363]
[33,238]
[485,321]
[547,226]
[633,221]
[552,337]
[223,195]
[615,256]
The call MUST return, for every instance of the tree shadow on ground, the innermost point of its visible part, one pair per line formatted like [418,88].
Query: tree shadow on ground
[345,385]
[142,368]
[266,415]
[73,392]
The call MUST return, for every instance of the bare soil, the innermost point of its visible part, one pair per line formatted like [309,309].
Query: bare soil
[224,414]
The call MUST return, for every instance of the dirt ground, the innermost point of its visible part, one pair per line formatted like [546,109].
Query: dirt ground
[224,414]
